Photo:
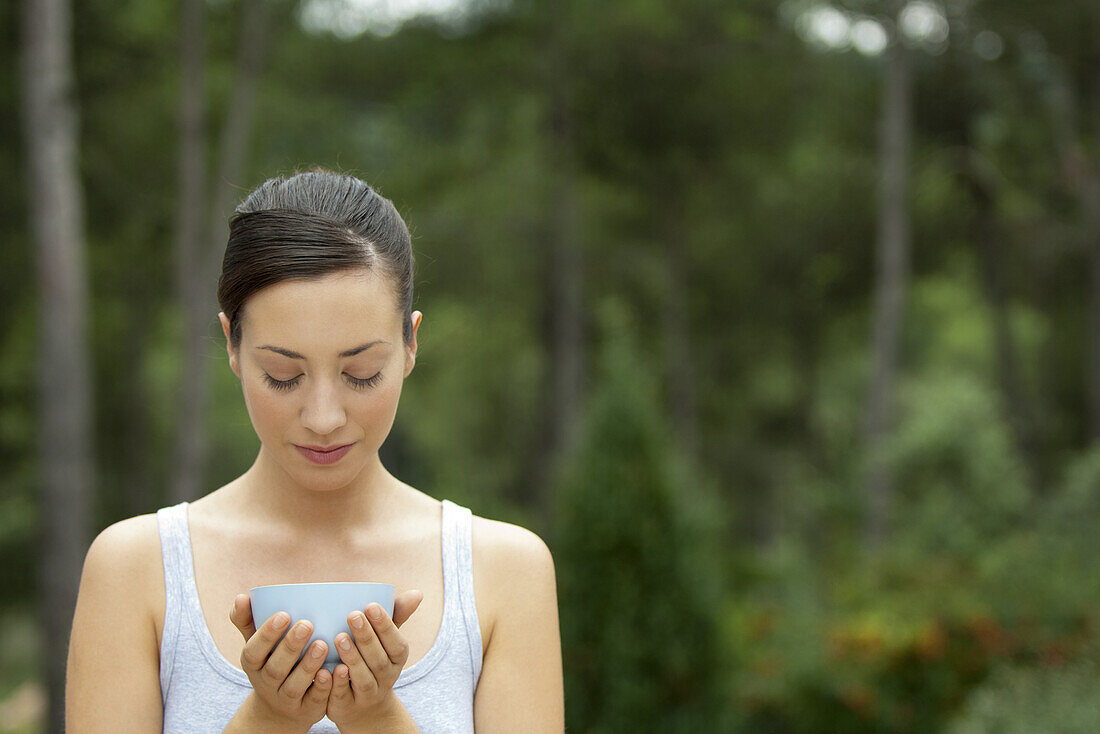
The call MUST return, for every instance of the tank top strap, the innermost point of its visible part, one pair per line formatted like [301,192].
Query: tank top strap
[458,576]
[174,547]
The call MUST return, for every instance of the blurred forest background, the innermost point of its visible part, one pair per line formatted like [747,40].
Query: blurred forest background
[779,322]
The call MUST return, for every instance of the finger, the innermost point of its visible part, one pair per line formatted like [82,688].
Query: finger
[318,693]
[304,673]
[393,643]
[370,647]
[258,647]
[241,616]
[286,654]
[341,686]
[404,604]
[362,677]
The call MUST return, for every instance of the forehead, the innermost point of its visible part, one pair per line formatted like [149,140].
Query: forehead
[327,314]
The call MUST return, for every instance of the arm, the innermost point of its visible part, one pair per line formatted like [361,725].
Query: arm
[113,668]
[521,686]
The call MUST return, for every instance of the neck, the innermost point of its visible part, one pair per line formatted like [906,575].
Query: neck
[322,510]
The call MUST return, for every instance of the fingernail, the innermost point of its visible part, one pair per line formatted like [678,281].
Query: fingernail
[375,612]
[301,631]
[357,621]
[282,619]
[316,651]
[345,643]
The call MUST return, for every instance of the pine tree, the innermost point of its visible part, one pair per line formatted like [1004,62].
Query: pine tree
[637,631]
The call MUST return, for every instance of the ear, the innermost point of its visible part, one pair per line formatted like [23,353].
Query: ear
[410,351]
[233,360]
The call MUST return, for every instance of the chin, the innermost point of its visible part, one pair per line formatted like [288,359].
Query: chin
[325,478]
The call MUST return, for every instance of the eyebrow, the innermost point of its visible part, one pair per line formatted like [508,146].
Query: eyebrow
[346,353]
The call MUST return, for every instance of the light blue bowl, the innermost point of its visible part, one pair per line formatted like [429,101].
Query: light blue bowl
[326,605]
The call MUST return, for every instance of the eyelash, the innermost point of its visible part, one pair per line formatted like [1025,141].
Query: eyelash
[284,385]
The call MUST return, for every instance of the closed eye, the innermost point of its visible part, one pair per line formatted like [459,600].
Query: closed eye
[358,384]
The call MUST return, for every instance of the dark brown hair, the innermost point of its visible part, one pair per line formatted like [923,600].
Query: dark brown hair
[308,226]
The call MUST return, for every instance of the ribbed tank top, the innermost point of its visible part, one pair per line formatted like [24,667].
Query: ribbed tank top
[202,691]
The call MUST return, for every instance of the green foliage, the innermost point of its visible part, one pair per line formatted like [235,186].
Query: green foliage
[638,635]
[828,637]
[1019,700]
[1046,569]
[960,482]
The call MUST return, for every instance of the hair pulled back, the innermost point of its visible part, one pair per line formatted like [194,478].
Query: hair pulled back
[308,226]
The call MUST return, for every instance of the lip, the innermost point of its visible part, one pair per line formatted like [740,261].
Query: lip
[321,455]
[324,449]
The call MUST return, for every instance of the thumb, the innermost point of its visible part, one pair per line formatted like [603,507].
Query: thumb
[404,604]
[241,616]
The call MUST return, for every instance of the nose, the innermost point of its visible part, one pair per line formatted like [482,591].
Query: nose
[323,412]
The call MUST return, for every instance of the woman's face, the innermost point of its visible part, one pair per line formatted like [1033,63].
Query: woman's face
[321,364]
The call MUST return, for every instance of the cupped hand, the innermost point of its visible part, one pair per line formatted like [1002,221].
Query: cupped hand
[372,660]
[283,692]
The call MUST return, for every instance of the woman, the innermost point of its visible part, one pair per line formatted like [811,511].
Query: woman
[316,295]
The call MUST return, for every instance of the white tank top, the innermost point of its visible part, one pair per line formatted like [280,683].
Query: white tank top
[201,690]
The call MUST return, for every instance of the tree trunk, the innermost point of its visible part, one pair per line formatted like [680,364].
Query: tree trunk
[563,326]
[1091,235]
[566,281]
[1016,405]
[676,323]
[63,362]
[562,314]
[237,133]
[189,237]
[892,275]
[1091,206]
[1081,172]
[200,304]
[139,492]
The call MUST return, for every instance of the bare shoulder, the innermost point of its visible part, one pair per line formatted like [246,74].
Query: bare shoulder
[522,657]
[510,562]
[140,529]
[125,557]
[132,544]
[113,659]
[502,546]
